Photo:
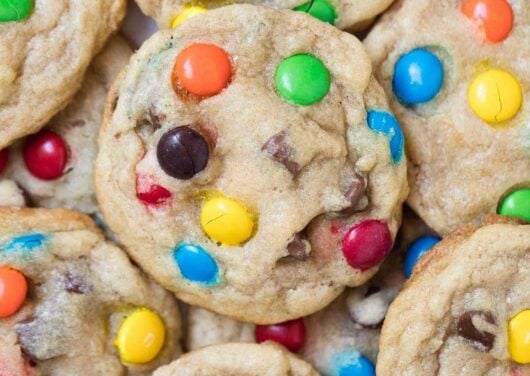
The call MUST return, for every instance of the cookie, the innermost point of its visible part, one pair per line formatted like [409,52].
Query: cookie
[457,80]
[465,309]
[342,336]
[238,359]
[233,209]
[54,166]
[73,304]
[46,48]
[352,15]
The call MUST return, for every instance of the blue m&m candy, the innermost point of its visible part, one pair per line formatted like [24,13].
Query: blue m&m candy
[418,76]
[196,264]
[385,123]
[353,364]
[416,250]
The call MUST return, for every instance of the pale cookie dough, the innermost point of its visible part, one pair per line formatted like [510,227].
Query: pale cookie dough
[84,297]
[262,218]
[77,126]
[465,311]
[460,166]
[46,47]
[241,359]
[351,15]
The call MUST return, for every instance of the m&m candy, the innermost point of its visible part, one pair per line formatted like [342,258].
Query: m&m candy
[519,337]
[151,193]
[495,96]
[196,264]
[140,337]
[227,221]
[418,76]
[15,10]
[182,153]
[302,79]
[320,9]
[13,291]
[290,334]
[188,12]
[351,363]
[45,155]
[385,123]
[417,249]
[367,244]
[517,204]
[202,69]
[493,17]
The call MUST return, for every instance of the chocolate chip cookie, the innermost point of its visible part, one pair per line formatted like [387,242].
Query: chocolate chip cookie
[54,166]
[253,174]
[238,359]
[352,15]
[458,81]
[73,304]
[465,309]
[46,47]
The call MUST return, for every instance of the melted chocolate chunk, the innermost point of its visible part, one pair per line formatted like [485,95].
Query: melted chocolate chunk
[299,247]
[182,153]
[75,284]
[466,328]
[281,152]
[151,119]
[354,193]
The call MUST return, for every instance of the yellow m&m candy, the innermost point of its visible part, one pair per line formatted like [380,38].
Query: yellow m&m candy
[495,96]
[188,12]
[227,221]
[140,337]
[519,337]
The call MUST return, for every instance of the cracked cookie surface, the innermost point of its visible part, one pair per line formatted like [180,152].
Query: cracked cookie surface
[45,52]
[242,201]
[64,306]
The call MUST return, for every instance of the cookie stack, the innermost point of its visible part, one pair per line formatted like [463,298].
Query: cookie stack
[246,169]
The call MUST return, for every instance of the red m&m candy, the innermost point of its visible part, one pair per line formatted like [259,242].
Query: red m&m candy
[202,69]
[45,155]
[493,17]
[13,291]
[290,334]
[367,244]
[150,193]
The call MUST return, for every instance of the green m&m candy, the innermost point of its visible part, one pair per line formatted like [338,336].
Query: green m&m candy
[15,10]
[302,79]
[320,9]
[517,204]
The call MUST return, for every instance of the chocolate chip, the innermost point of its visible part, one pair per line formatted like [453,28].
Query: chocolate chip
[479,336]
[281,152]
[354,192]
[299,247]
[75,284]
[182,153]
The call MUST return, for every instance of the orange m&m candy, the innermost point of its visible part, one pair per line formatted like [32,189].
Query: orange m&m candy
[202,69]
[13,290]
[493,17]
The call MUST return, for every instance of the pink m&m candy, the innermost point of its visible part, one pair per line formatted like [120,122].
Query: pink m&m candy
[367,244]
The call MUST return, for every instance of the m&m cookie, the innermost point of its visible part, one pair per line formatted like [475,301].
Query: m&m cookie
[238,359]
[46,47]
[457,78]
[246,177]
[466,308]
[53,167]
[73,304]
[341,339]
[351,15]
